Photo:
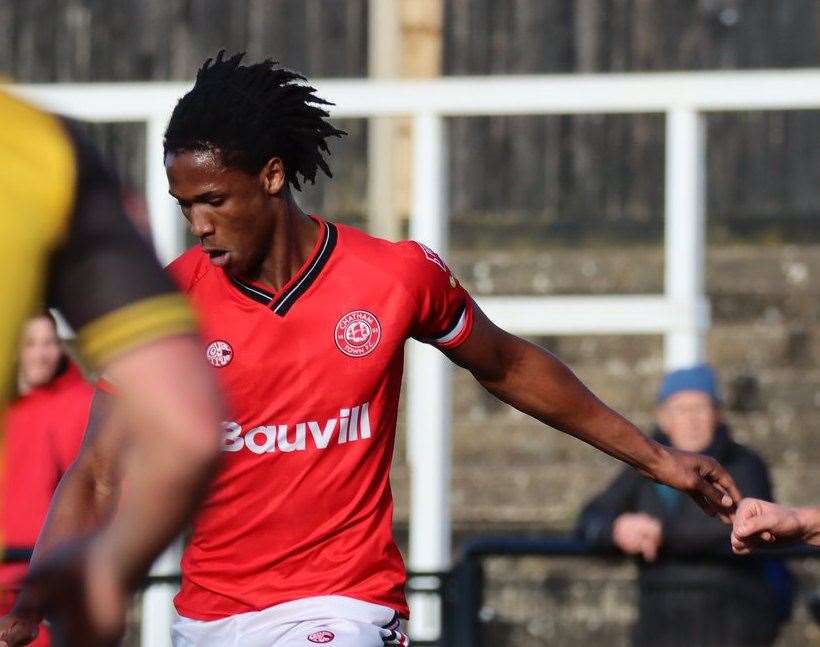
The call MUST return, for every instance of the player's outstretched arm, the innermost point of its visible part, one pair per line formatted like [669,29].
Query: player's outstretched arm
[760,524]
[534,381]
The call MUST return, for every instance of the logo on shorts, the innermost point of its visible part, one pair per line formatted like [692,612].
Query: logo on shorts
[358,333]
[321,637]
[219,353]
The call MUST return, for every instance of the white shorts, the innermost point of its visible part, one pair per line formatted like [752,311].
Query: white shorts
[332,620]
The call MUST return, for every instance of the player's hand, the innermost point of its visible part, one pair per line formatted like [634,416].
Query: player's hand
[703,478]
[638,534]
[79,588]
[760,523]
[18,630]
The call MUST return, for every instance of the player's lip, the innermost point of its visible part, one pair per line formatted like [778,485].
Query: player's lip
[218,257]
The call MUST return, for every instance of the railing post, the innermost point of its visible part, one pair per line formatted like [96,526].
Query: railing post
[685,236]
[468,593]
[157,600]
[428,429]
[167,229]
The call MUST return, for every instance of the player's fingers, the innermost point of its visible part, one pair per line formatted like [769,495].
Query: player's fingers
[715,474]
[767,536]
[739,547]
[751,526]
[726,483]
[715,498]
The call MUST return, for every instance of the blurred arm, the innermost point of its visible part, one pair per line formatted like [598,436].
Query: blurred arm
[171,410]
[534,381]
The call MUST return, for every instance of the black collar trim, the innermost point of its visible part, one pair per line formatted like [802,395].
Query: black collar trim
[257,294]
[281,305]
[287,299]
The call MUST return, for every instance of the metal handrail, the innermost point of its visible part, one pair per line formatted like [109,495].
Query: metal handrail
[467,579]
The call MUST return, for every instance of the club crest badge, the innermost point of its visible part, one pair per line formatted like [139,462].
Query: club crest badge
[321,637]
[358,333]
[219,353]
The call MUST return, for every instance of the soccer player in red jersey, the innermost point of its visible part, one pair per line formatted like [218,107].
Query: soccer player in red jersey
[305,323]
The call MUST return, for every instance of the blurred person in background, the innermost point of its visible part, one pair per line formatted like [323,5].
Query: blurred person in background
[67,242]
[763,524]
[43,431]
[690,602]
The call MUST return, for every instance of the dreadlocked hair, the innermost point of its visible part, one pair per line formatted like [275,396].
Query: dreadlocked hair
[251,113]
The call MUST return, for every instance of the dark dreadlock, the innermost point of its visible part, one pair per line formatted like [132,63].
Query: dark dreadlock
[251,113]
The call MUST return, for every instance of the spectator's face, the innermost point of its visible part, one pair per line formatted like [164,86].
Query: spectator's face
[40,353]
[689,418]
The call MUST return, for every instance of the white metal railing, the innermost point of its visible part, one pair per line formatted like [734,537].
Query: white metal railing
[680,314]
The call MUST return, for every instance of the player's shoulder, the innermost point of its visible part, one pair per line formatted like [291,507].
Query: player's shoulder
[38,158]
[189,268]
[408,259]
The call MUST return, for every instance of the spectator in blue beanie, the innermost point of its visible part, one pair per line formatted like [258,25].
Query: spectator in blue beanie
[690,602]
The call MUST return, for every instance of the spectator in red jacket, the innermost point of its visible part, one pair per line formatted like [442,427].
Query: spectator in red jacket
[43,431]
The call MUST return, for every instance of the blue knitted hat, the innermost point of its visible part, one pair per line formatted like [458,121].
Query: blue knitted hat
[698,378]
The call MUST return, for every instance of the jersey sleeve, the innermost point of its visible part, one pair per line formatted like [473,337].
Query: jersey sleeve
[104,277]
[444,309]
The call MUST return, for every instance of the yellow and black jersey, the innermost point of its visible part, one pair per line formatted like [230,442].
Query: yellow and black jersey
[65,242]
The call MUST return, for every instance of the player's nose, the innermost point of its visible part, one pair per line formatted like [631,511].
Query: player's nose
[201,225]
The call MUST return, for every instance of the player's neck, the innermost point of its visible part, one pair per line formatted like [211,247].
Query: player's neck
[293,239]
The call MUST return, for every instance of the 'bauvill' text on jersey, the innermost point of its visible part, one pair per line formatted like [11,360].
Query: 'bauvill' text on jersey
[352,424]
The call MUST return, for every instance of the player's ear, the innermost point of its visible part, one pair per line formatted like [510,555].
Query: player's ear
[273,176]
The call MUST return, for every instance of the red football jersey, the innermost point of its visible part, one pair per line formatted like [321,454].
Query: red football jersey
[302,505]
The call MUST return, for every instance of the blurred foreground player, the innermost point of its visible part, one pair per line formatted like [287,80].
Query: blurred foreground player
[762,524]
[306,322]
[65,240]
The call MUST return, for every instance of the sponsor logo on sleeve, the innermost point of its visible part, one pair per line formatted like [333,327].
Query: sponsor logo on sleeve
[434,258]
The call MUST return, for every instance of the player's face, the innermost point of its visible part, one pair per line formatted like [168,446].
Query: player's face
[689,418]
[40,352]
[228,209]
